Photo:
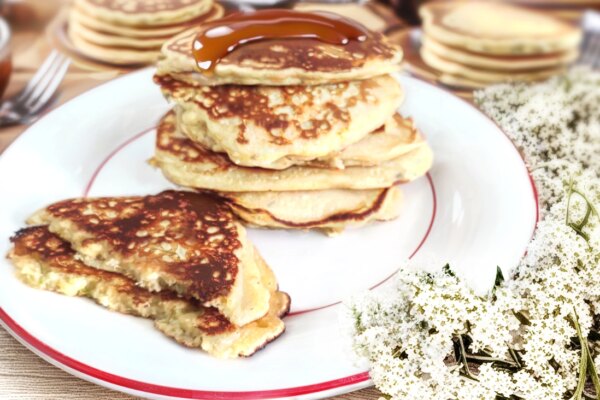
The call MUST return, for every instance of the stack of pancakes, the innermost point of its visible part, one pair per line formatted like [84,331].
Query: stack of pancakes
[292,133]
[177,258]
[131,32]
[474,44]
[570,10]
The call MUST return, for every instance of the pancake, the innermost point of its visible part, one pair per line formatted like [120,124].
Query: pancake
[485,76]
[44,261]
[112,55]
[274,126]
[109,40]
[189,164]
[500,63]
[396,137]
[456,81]
[328,210]
[144,12]
[284,61]
[186,242]
[142,31]
[494,28]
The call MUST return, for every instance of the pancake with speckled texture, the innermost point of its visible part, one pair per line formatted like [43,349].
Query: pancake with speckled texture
[330,211]
[278,126]
[185,242]
[44,261]
[187,163]
[283,61]
[396,137]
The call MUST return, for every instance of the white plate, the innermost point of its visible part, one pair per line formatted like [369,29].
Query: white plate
[477,208]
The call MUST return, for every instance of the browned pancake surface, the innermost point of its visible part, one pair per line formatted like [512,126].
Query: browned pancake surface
[306,54]
[150,229]
[38,242]
[258,108]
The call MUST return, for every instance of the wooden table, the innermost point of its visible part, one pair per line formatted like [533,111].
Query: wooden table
[23,375]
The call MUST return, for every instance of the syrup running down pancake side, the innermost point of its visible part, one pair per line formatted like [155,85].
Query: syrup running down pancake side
[225,35]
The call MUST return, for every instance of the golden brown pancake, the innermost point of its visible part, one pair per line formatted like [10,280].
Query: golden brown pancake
[185,242]
[486,76]
[283,61]
[276,126]
[499,63]
[144,12]
[188,164]
[495,28]
[110,40]
[112,55]
[396,137]
[43,260]
[330,211]
[141,31]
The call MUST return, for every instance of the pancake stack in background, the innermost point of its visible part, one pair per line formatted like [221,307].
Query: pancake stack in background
[131,32]
[291,133]
[474,44]
[569,10]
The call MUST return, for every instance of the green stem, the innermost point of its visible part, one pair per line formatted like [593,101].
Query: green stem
[569,196]
[490,359]
[592,370]
[463,356]
[583,363]
[514,356]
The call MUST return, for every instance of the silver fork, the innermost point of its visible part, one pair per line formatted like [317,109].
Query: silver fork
[590,47]
[39,92]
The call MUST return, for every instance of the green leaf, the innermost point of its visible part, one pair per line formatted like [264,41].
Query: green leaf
[448,271]
[499,281]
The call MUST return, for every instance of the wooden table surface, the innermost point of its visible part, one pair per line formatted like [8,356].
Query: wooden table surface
[23,375]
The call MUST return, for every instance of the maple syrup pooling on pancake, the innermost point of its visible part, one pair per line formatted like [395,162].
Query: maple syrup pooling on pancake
[223,36]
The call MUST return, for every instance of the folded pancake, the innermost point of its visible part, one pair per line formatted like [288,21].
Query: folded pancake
[144,12]
[485,75]
[185,242]
[494,28]
[275,126]
[328,210]
[44,261]
[141,31]
[187,163]
[284,61]
[498,62]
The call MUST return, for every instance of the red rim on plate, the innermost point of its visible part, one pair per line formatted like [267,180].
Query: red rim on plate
[94,374]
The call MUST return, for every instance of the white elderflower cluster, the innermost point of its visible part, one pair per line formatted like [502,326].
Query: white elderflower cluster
[536,335]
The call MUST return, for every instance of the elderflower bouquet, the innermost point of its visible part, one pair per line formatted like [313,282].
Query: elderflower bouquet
[536,334]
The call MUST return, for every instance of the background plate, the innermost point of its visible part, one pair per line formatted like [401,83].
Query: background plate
[477,208]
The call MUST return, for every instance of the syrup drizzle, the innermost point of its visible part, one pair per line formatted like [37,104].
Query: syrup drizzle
[223,36]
